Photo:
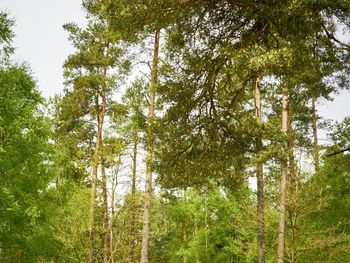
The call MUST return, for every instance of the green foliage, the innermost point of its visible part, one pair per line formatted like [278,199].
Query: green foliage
[325,220]
[207,137]
[209,225]
[126,233]
[73,139]
[70,221]
[24,169]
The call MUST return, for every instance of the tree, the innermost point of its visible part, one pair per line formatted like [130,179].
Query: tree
[24,161]
[89,70]
[132,127]
[150,150]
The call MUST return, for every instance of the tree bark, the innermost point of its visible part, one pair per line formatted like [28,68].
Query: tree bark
[315,135]
[260,180]
[283,182]
[149,158]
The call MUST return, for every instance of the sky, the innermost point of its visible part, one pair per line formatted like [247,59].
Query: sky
[40,39]
[42,42]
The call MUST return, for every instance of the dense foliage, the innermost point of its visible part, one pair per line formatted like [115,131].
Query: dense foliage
[209,97]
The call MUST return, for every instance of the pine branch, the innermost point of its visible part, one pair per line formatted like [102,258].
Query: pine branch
[338,152]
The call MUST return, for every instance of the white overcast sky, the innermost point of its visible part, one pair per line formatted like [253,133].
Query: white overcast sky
[42,42]
[40,39]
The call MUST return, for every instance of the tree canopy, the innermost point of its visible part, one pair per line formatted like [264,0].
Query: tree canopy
[187,131]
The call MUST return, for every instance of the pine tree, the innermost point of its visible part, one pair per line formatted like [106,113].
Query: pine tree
[89,71]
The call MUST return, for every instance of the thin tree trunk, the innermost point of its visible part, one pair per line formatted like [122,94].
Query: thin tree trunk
[260,181]
[132,240]
[104,178]
[100,120]
[293,206]
[149,158]
[105,216]
[293,192]
[293,210]
[114,187]
[283,182]
[315,135]
[92,208]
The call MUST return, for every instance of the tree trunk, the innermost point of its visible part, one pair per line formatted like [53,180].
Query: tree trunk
[293,211]
[293,208]
[114,187]
[105,216]
[293,192]
[149,158]
[260,180]
[283,182]
[100,120]
[104,178]
[315,135]
[132,240]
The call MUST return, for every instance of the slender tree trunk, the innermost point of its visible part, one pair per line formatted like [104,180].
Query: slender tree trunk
[100,120]
[92,207]
[315,135]
[293,192]
[149,158]
[104,178]
[132,240]
[293,210]
[105,216]
[111,234]
[283,182]
[260,181]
